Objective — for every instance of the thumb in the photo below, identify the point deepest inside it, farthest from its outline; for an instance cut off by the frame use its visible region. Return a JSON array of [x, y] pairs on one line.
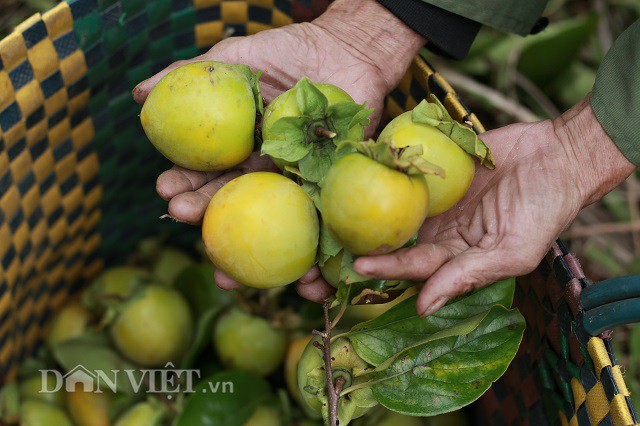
[[470, 270]]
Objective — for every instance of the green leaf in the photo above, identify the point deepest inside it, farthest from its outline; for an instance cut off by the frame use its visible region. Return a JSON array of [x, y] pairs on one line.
[[329, 247], [345, 116], [32, 366], [202, 336], [290, 145], [546, 55], [228, 398], [348, 275], [433, 113], [9, 403], [254, 82], [311, 101], [573, 84], [93, 351], [197, 285], [313, 191], [316, 164], [400, 327], [447, 372], [407, 159], [206, 300]]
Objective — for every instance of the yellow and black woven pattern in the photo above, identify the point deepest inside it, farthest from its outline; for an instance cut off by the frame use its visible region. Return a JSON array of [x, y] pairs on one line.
[[49, 194], [77, 187], [76, 174], [561, 375]]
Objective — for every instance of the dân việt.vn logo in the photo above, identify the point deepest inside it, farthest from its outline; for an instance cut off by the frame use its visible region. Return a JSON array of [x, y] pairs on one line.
[[169, 380]]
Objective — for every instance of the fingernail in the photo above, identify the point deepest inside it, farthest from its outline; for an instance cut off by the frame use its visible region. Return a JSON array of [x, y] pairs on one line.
[[135, 89], [363, 267], [437, 304]]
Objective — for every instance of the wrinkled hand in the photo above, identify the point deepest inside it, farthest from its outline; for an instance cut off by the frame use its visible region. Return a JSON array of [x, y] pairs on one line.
[[545, 173], [356, 45]]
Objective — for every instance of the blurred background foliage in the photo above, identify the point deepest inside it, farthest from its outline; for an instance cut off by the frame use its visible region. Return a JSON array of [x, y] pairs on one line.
[[508, 79]]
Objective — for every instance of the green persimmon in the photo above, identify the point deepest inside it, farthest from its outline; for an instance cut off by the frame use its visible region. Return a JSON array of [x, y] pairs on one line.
[[89, 408], [169, 263], [345, 363], [31, 389], [265, 415], [370, 208], [286, 105], [395, 419], [249, 342], [142, 414], [114, 286], [361, 313], [69, 322], [460, 167], [262, 230], [331, 269], [202, 115], [38, 413], [294, 354], [154, 327]]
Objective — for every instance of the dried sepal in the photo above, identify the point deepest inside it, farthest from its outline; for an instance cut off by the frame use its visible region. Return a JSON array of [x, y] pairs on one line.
[[433, 113]]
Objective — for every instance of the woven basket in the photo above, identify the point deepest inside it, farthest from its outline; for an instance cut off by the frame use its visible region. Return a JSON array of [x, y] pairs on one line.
[[77, 189]]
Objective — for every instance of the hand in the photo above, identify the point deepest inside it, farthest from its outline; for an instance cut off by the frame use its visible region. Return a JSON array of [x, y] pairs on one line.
[[357, 45], [545, 173]]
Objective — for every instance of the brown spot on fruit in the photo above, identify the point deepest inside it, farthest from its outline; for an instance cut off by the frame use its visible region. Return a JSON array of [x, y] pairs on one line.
[[383, 249]]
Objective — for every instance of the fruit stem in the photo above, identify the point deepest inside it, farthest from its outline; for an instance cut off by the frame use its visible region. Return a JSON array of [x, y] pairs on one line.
[[340, 382], [321, 131], [336, 320], [332, 394]]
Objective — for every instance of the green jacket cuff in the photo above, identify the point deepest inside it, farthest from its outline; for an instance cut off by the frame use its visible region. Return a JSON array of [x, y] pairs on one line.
[[615, 99], [508, 15]]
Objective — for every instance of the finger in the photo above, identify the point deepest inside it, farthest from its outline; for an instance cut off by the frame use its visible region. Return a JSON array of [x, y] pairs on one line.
[[313, 287], [190, 206], [470, 270], [179, 180], [414, 263], [311, 275], [224, 281], [257, 163]]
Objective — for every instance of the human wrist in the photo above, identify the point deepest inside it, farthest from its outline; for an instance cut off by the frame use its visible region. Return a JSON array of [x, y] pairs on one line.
[[597, 164], [373, 34]]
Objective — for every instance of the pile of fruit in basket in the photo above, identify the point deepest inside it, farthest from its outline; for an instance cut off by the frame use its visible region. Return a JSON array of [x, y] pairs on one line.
[[161, 344], [166, 346]]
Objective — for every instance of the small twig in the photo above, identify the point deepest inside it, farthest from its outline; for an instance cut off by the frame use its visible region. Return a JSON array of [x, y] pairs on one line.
[[511, 72], [343, 309], [602, 228], [605, 35], [264, 304], [340, 382], [495, 98], [622, 251], [321, 131], [332, 395], [168, 216], [538, 95]]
